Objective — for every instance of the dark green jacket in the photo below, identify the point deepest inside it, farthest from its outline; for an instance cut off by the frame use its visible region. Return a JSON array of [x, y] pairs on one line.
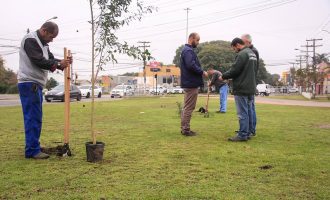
[[243, 73]]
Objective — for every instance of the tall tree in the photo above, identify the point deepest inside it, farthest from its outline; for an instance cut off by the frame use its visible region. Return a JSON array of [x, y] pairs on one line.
[[51, 83], [110, 16]]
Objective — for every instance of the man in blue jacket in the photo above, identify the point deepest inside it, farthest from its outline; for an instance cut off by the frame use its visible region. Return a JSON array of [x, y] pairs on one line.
[[191, 80]]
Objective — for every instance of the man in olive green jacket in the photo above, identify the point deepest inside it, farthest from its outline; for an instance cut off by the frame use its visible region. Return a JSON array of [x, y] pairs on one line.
[[244, 85]]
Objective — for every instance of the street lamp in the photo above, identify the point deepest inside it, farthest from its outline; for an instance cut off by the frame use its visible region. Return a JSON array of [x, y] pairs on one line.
[[55, 17]]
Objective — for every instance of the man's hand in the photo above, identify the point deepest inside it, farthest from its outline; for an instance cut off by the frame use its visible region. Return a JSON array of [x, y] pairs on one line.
[[70, 59], [205, 74], [220, 78], [65, 63]]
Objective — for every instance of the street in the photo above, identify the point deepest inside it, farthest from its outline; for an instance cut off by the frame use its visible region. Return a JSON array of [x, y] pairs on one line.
[[13, 100]]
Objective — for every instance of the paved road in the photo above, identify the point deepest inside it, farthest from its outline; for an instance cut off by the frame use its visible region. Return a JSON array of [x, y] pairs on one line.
[[13, 100]]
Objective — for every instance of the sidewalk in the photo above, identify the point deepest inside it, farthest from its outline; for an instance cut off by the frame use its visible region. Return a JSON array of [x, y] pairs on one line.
[[265, 100], [9, 96]]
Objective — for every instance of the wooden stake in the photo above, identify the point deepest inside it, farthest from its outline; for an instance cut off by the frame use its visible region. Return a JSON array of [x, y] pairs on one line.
[[66, 98]]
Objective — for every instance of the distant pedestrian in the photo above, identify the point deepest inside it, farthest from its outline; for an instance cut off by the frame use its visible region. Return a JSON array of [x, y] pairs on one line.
[[191, 79], [244, 85], [223, 88], [247, 39], [35, 61]]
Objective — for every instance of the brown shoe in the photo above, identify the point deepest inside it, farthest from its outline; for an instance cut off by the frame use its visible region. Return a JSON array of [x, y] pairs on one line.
[[188, 133], [41, 156]]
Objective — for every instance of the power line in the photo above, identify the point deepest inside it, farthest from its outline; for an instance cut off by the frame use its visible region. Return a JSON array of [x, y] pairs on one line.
[[216, 21]]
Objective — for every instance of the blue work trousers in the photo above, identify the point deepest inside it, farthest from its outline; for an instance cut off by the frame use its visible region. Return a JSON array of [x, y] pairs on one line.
[[223, 91], [31, 98]]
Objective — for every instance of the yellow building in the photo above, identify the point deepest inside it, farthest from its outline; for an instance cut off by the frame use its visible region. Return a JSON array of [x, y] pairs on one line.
[[166, 74], [286, 77]]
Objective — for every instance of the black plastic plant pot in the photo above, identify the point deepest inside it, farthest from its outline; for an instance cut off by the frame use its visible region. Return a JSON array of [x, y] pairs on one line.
[[94, 151]]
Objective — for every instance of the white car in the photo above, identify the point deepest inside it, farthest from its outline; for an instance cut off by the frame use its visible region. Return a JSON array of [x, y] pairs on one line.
[[178, 90], [159, 90], [175, 90], [86, 91], [293, 90], [121, 91]]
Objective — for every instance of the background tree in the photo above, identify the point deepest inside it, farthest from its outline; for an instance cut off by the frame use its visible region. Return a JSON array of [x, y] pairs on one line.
[[110, 16], [8, 79], [273, 79], [51, 83]]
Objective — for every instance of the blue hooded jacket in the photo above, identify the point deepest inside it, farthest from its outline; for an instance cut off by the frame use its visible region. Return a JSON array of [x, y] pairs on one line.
[[191, 70]]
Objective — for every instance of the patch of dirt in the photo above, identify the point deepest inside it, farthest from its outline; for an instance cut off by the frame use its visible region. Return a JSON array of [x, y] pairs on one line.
[[59, 150], [51, 150], [265, 167], [325, 126]]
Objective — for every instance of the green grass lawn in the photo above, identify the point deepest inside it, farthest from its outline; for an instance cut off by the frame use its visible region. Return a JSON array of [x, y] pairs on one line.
[[146, 157]]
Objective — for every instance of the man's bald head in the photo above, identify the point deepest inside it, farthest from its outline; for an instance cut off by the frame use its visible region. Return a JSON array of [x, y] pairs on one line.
[[48, 31], [193, 39], [51, 27]]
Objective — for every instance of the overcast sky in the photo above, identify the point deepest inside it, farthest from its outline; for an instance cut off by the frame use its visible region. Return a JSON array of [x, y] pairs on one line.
[[277, 28]]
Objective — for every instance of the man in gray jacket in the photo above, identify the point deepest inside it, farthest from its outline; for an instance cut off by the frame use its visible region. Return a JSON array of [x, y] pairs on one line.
[[35, 61]]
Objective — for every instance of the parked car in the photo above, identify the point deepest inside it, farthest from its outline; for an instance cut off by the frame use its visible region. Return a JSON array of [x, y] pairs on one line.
[[57, 93], [263, 89], [178, 90], [86, 91], [158, 90], [175, 90], [293, 90], [121, 91]]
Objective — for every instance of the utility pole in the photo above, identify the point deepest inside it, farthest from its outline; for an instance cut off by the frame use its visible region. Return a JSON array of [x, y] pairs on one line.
[[300, 60], [313, 46], [187, 9], [307, 64], [144, 62], [307, 55]]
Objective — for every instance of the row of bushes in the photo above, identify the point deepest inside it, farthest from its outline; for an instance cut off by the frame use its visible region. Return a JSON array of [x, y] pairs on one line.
[[8, 89]]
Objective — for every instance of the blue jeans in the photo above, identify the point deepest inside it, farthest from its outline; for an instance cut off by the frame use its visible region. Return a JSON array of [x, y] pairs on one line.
[[223, 91], [254, 117], [31, 99], [244, 114]]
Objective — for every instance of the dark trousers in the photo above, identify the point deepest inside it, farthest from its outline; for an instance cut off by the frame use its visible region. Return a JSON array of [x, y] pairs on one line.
[[253, 126], [31, 99], [244, 114], [190, 99]]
